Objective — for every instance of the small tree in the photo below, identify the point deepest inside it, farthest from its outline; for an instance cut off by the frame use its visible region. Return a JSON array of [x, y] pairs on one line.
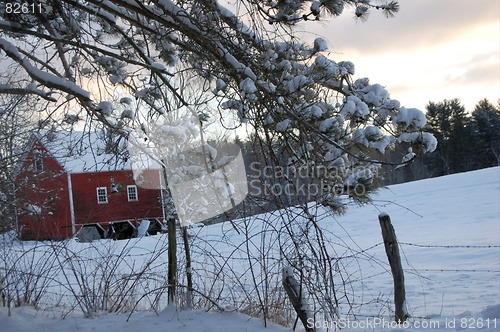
[[16, 123]]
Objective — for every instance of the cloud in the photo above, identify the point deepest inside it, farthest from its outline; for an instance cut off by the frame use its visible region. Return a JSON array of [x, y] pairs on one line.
[[418, 24], [431, 50], [482, 69]]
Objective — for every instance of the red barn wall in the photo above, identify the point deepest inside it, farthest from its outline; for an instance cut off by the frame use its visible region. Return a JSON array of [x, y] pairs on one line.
[[47, 189], [87, 210]]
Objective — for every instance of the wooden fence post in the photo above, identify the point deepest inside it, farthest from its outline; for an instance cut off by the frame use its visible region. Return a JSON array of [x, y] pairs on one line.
[[392, 251], [189, 273], [294, 292], [172, 260]]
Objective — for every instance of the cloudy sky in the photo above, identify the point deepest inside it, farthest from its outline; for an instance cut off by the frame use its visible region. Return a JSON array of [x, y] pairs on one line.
[[430, 51]]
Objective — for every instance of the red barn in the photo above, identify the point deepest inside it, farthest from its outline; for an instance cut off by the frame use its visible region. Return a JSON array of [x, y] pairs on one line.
[[66, 181]]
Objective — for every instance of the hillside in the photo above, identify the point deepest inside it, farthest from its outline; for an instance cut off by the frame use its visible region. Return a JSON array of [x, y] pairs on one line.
[[449, 233]]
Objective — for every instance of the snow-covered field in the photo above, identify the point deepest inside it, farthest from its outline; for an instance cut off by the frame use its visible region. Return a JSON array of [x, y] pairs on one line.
[[448, 227]]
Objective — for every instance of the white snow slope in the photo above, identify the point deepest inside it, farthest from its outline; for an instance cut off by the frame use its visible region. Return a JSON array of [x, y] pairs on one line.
[[449, 230]]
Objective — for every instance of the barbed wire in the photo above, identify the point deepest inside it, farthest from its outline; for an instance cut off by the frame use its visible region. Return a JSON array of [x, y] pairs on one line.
[[459, 270], [448, 246]]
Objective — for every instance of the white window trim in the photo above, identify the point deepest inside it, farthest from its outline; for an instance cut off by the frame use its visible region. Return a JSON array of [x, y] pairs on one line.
[[135, 191], [105, 193]]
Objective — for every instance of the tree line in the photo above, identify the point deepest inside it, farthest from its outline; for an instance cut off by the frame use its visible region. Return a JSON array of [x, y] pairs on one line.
[[468, 140]]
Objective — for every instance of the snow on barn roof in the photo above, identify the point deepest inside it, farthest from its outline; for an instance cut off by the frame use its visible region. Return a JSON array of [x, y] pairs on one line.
[[86, 151]]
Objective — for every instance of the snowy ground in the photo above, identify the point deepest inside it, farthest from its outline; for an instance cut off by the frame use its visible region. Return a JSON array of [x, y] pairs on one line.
[[449, 229], [26, 319]]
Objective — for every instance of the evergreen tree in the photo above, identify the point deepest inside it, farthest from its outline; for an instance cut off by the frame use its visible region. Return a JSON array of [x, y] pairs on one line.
[[449, 123], [486, 121]]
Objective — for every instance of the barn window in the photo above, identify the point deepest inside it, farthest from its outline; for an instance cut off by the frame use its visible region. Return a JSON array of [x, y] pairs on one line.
[[132, 193], [102, 195], [38, 160]]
